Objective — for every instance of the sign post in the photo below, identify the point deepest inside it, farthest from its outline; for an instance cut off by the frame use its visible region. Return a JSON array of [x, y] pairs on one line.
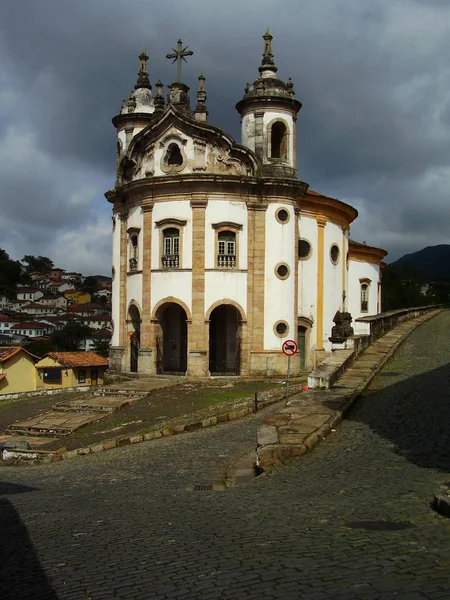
[[289, 348]]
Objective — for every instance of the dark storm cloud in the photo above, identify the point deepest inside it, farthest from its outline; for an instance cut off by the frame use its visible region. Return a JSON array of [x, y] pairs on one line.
[[372, 77]]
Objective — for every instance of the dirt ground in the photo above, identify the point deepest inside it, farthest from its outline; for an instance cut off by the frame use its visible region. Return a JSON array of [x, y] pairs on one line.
[[188, 401]]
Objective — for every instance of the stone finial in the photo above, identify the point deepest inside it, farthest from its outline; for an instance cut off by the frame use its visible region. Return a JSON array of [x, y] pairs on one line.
[[290, 87], [268, 62], [131, 103], [159, 98], [143, 80], [201, 112]]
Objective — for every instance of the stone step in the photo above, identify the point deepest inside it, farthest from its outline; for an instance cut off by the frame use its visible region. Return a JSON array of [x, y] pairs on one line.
[[54, 423], [96, 404]]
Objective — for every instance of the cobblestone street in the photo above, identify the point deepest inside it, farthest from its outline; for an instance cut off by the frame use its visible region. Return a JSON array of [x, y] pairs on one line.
[[349, 520]]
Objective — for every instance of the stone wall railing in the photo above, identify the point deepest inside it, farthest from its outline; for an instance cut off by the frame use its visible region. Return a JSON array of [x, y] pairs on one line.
[[380, 324]]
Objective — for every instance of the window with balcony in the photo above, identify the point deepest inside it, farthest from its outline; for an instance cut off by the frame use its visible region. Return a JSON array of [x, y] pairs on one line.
[[171, 248], [226, 257]]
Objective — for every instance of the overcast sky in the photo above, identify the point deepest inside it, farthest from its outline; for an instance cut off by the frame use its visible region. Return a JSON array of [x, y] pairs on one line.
[[374, 130]]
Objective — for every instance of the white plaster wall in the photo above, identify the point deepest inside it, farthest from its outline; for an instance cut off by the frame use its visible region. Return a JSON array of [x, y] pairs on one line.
[[279, 294], [287, 119], [332, 298], [171, 283], [307, 272], [362, 270], [220, 285], [116, 283], [134, 290], [225, 210], [179, 209]]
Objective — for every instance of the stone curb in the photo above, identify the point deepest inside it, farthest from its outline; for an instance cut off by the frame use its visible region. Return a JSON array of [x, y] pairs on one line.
[[46, 456], [271, 455]]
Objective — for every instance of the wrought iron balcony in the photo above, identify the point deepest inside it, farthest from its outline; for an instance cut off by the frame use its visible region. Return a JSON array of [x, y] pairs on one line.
[[226, 261], [171, 261]]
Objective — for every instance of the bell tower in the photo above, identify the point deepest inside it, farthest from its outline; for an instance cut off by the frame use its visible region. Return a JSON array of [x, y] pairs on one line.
[[268, 115]]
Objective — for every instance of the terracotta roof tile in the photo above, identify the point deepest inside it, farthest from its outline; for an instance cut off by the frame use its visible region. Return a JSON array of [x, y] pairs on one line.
[[79, 359], [7, 352], [2, 376]]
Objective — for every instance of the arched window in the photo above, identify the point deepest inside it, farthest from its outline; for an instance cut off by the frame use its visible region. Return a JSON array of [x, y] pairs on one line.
[[278, 140], [226, 257], [171, 248], [133, 248], [173, 156], [364, 297]]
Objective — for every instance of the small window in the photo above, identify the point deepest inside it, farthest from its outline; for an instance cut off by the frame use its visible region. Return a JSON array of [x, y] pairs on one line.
[[171, 248], [282, 271], [282, 216], [82, 376], [278, 140], [226, 257], [334, 254], [364, 297], [173, 155], [304, 249], [281, 329], [52, 375]]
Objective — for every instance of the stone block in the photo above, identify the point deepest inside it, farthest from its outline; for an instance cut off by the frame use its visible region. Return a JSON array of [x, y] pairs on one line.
[[136, 439], [97, 447], [177, 429], [267, 434], [152, 435], [83, 451], [109, 444], [123, 442], [167, 431], [71, 454], [293, 438], [311, 440], [278, 419], [222, 418], [232, 416]]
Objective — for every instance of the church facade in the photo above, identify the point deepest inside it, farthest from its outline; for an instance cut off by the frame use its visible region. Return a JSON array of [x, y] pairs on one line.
[[220, 252]]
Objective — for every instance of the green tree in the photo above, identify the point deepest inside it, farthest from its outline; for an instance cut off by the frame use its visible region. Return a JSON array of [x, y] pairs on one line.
[[101, 347], [41, 264], [90, 285], [41, 347], [10, 274], [71, 336]]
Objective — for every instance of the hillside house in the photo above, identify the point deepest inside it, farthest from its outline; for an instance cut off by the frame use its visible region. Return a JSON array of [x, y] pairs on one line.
[[17, 371], [70, 369]]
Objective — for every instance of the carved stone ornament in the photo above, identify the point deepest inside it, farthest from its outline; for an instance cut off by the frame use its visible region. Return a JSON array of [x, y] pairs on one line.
[[342, 328]]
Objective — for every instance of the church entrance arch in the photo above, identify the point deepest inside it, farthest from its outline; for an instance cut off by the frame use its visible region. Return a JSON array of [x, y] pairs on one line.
[[134, 326], [171, 339], [225, 340]]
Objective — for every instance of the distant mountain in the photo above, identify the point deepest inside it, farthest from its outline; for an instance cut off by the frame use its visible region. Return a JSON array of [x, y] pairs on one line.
[[432, 263]]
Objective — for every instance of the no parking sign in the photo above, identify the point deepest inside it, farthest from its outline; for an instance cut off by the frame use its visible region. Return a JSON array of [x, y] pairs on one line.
[[289, 348]]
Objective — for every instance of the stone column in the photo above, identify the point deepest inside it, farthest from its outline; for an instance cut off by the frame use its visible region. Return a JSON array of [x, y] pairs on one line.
[[259, 134], [147, 343], [255, 281], [197, 345], [321, 222], [123, 335], [344, 269], [296, 362]]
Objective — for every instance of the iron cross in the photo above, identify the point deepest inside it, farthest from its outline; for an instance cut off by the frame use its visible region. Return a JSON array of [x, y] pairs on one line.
[[178, 55]]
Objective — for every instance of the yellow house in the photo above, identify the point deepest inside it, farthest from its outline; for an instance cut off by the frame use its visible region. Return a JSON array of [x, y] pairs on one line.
[[77, 297], [59, 370], [17, 370]]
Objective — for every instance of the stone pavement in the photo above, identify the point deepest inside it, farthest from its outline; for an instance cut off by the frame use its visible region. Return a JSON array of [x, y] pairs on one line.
[[348, 521], [311, 416]]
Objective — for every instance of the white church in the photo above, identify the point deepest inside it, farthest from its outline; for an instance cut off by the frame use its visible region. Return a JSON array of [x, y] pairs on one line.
[[220, 252]]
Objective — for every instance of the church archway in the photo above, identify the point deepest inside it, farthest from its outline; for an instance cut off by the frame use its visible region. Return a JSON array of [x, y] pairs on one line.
[[171, 339], [225, 340], [134, 330]]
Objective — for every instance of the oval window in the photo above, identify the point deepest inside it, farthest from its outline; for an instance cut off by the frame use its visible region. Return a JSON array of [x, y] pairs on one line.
[[282, 215], [334, 254], [304, 249]]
